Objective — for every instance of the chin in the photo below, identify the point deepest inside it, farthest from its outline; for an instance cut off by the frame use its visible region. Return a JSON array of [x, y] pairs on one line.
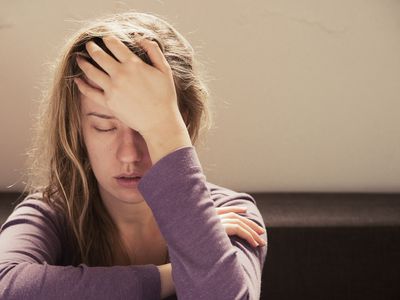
[[129, 195], [125, 195]]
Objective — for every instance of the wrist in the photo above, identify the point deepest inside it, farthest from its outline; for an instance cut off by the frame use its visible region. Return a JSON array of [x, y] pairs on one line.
[[167, 283], [166, 139]]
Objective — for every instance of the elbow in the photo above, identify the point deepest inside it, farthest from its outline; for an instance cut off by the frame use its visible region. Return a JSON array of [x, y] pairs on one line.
[[5, 268], [246, 292], [6, 279], [250, 295]]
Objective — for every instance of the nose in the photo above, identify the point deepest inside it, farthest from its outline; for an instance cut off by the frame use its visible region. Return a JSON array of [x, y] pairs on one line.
[[130, 148]]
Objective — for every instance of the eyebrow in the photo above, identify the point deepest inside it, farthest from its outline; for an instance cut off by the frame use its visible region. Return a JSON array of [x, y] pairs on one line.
[[100, 115]]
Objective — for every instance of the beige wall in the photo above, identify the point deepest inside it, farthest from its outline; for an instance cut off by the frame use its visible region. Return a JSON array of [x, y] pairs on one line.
[[306, 93]]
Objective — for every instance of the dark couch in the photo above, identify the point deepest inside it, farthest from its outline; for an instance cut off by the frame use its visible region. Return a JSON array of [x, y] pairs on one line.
[[331, 246], [324, 246]]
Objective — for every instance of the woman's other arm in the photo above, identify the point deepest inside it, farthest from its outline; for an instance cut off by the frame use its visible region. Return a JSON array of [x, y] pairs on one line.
[[31, 243]]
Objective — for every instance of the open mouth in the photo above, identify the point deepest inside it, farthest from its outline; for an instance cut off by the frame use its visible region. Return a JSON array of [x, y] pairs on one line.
[[128, 181]]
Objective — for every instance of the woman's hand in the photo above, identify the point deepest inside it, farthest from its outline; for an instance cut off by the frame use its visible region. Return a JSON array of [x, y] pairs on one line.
[[235, 224], [141, 96]]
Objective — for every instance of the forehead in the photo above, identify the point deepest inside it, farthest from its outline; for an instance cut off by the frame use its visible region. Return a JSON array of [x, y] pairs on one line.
[[90, 105]]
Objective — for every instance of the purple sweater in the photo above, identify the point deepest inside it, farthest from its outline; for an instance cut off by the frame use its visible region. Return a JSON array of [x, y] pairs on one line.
[[206, 262]]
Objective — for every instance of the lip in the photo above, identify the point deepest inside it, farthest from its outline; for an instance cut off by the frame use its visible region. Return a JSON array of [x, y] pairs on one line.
[[128, 183], [134, 174]]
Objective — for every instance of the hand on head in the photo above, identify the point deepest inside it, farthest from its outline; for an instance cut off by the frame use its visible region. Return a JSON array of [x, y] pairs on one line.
[[141, 96]]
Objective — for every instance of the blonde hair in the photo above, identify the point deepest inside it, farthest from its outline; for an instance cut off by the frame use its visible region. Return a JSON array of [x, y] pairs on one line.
[[58, 162]]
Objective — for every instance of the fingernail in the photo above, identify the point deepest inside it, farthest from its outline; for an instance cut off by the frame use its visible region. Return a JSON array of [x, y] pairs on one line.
[[263, 242]]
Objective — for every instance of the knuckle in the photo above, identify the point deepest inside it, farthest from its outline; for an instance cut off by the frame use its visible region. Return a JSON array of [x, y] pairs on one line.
[[134, 62], [253, 233], [153, 43], [95, 52], [110, 39], [232, 214], [236, 227], [118, 76], [236, 222]]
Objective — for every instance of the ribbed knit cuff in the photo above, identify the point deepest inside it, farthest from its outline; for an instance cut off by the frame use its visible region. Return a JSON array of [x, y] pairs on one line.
[[150, 281]]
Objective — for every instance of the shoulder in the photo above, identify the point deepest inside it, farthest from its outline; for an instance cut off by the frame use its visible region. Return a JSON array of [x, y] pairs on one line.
[[223, 197]]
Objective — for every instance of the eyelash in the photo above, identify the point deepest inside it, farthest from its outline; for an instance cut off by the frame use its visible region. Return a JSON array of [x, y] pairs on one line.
[[104, 130]]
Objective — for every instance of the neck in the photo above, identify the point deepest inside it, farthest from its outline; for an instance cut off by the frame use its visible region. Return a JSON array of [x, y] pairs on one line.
[[134, 219]]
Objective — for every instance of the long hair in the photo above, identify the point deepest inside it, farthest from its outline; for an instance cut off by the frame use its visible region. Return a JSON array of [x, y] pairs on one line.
[[58, 164]]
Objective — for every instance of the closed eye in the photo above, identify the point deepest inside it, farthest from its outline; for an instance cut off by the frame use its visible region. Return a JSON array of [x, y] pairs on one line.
[[105, 130]]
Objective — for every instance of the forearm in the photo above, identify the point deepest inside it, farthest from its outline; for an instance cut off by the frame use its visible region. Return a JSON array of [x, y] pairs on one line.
[[200, 251], [44, 281], [167, 284]]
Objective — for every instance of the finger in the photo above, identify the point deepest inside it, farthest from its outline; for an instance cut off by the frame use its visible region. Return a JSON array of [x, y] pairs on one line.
[[119, 49], [104, 60], [94, 74], [235, 229], [155, 54], [90, 92], [245, 226], [254, 235], [223, 210], [246, 220]]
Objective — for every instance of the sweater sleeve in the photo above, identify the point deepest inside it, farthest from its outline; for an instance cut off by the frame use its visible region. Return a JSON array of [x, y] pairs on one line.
[[206, 263], [30, 245]]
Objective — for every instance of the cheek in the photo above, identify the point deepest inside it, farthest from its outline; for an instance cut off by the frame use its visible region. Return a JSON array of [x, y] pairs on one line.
[[99, 150]]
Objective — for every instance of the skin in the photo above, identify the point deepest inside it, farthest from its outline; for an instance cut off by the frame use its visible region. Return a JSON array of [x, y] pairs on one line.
[[146, 125], [119, 150], [156, 129], [141, 96]]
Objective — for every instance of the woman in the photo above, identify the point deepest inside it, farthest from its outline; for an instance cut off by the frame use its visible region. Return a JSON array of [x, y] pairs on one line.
[[123, 209]]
